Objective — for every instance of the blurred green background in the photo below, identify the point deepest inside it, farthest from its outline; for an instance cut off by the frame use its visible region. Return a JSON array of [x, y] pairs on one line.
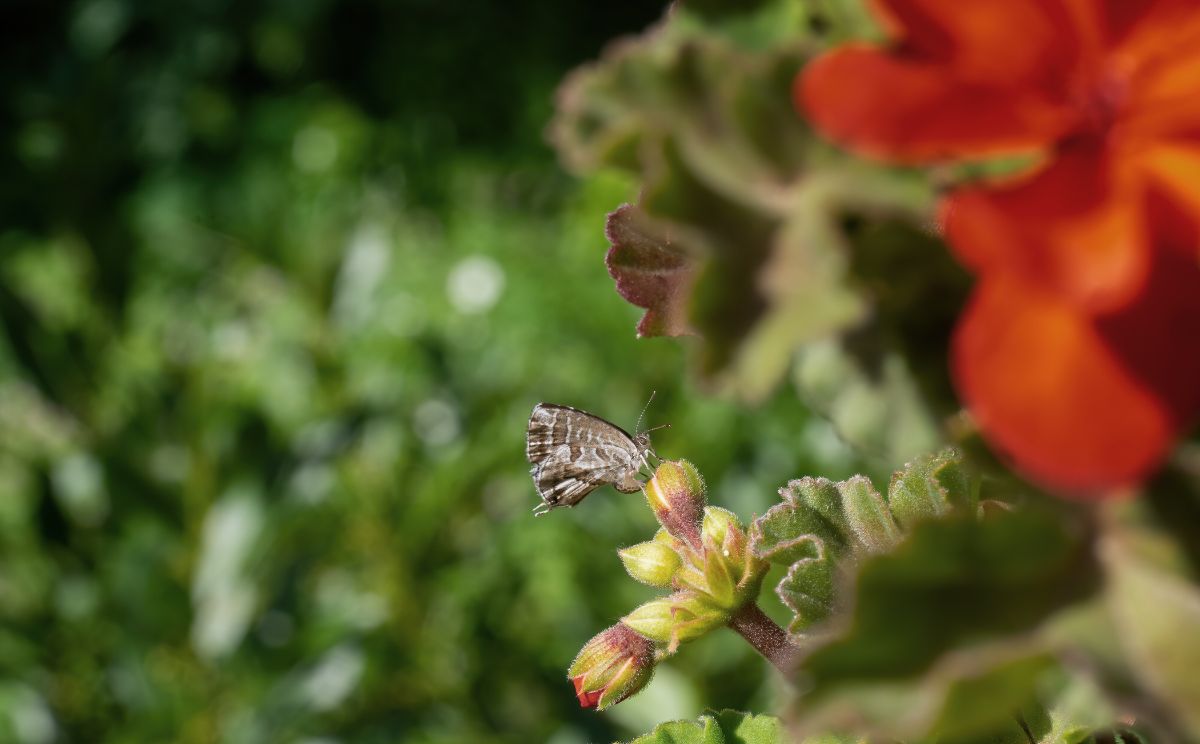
[[280, 283]]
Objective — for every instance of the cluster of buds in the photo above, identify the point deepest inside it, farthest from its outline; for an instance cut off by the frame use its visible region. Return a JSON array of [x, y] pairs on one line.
[[702, 553]]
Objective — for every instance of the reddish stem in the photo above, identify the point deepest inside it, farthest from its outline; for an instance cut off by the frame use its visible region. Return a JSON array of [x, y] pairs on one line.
[[766, 637]]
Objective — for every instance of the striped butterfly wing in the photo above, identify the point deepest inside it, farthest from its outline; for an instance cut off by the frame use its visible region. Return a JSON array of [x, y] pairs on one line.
[[574, 452]]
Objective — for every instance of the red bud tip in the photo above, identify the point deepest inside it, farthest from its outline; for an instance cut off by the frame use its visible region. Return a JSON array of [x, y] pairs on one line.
[[586, 699]]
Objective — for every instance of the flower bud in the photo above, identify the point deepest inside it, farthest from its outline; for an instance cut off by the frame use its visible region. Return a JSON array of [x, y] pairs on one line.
[[612, 666], [676, 494], [680, 617], [724, 569], [717, 523], [653, 563]]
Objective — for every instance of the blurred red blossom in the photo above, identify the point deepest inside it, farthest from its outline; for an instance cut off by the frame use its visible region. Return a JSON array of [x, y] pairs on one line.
[[1079, 353]]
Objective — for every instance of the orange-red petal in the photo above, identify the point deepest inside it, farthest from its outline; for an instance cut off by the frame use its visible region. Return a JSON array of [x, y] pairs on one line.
[[1149, 31], [1173, 170], [1075, 227], [586, 699], [977, 38], [1162, 99], [1048, 391], [907, 110]]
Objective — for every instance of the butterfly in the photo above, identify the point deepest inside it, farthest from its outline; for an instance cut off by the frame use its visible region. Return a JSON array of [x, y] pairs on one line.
[[575, 452]]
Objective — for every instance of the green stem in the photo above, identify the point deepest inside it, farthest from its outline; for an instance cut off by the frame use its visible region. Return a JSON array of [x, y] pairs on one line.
[[766, 637]]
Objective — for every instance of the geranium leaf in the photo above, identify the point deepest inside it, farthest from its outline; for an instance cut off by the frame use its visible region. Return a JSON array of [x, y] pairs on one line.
[[929, 486], [703, 731], [807, 590], [651, 271], [790, 532], [747, 245], [724, 727], [821, 524], [941, 625], [954, 579], [746, 728], [1156, 608]]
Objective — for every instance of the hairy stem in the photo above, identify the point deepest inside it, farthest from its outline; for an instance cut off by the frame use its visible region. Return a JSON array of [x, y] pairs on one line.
[[765, 636]]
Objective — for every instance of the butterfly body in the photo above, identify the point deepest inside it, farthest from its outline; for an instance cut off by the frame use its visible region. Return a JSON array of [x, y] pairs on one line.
[[574, 452]]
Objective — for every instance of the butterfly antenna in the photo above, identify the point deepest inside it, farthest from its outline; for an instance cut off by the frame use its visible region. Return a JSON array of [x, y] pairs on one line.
[[637, 429]]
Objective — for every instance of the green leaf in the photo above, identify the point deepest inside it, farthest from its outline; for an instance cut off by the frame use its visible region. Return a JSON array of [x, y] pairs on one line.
[[885, 385], [704, 731], [747, 728], [1157, 613], [651, 272], [971, 695], [808, 591], [821, 523], [749, 23], [869, 518], [742, 238], [721, 727], [953, 580], [940, 635], [820, 495], [789, 532], [928, 487], [983, 700], [1073, 710]]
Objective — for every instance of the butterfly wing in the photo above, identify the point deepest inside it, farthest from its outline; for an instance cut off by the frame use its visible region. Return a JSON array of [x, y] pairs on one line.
[[561, 483], [574, 452]]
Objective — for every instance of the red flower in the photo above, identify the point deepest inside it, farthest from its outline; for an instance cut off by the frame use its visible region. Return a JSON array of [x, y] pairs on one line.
[[1079, 354]]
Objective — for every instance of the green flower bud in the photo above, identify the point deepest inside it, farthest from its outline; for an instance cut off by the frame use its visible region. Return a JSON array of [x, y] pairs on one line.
[[654, 619], [612, 666], [664, 537], [717, 523], [680, 617], [719, 578], [723, 570], [676, 494], [717, 587], [653, 563]]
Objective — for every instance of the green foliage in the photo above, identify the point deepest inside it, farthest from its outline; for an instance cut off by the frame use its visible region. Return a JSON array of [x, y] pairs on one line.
[[822, 527], [740, 205], [276, 300], [764, 243], [940, 641], [1151, 597], [724, 727], [275, 304], [919, 610]]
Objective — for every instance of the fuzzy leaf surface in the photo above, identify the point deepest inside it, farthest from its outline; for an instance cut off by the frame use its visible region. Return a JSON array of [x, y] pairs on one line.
[[941, 624], [743, 242], [725, 727]]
